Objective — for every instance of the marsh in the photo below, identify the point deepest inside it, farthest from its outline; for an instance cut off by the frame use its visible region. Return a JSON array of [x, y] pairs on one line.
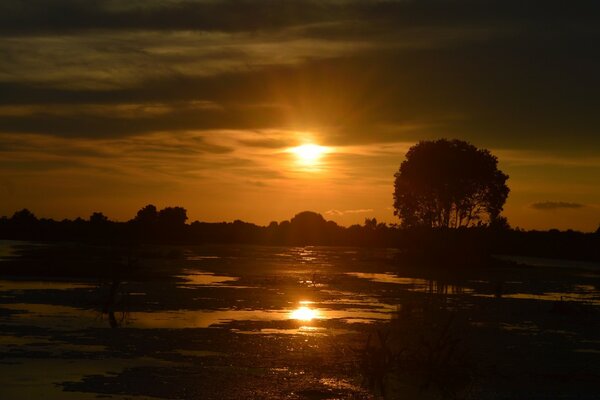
[[287, 322]]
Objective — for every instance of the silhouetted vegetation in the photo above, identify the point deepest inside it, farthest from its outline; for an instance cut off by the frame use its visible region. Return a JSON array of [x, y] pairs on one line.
[[463, 246], [449, 184], [421, 354]]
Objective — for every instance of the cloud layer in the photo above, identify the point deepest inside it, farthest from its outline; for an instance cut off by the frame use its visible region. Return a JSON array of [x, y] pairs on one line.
[[361, 71]]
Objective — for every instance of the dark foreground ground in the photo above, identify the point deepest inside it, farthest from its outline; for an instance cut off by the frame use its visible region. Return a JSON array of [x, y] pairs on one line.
[[80, 322]]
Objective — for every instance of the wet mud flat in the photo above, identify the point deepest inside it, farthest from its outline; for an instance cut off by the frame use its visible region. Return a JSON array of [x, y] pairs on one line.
[[227, 322]]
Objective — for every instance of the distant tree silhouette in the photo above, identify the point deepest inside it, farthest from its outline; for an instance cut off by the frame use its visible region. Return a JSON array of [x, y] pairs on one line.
[[309, 227], [448, 183], [371, 223], [308, 220], [147, 215], [98, 218], [461, 247], [23, 217], [172, 216]]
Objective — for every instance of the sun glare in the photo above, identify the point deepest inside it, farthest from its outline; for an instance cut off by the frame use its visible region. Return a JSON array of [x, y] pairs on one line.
[[304, 314], [309, 154]]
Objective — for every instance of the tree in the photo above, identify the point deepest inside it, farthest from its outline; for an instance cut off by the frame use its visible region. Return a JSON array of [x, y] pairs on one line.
[[147, 215], [449, 183], [309, 227], [308, 220], [172, 216], [371, 223], [98, 218], [23, 217]]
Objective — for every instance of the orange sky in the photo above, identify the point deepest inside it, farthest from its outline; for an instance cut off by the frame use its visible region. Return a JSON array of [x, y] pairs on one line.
[[346, 183], [109, 106]]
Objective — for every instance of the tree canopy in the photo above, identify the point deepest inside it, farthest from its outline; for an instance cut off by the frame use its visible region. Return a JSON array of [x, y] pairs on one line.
[[449, 183]]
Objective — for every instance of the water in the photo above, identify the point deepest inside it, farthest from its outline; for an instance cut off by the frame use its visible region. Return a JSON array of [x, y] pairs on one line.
[[236, 303], [8, 248]]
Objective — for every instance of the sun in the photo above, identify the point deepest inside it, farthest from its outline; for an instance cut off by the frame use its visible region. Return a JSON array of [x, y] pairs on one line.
[[304, 314], [309, 154]]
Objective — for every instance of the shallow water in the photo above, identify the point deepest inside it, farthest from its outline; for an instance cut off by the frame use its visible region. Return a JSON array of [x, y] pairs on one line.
[[551, 262], [20, 285], [203, 278], [8, 248], [257, 294]]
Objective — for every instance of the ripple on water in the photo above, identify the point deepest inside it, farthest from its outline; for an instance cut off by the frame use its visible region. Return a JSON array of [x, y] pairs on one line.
[[203, 278], [6, 285]]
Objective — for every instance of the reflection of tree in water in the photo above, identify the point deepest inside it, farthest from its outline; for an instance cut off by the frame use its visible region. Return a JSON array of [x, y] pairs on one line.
[[115, 302], [421, 354], [498, 288], [444, 288]]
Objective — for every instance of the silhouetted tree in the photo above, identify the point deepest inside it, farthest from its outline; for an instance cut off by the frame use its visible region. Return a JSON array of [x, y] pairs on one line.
[[382, 225], [308, 220], [172, 216], [371, 223], [23, 217], [309, 227], [147, 215], [98, 218], [448, 183], [500, 223]]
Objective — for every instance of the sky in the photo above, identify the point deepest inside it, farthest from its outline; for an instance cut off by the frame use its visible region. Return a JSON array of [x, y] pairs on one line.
[[110, 105]]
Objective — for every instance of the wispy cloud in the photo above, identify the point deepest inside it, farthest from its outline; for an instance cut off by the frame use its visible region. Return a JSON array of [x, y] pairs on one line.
[[556, 205], [113, 60], [528, 158], [339, 213]]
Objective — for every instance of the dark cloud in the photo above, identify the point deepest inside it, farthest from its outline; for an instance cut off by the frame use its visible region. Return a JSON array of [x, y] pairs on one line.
[[555, 205], [39, 16], [510, 74], [494, 93], [104, 123]]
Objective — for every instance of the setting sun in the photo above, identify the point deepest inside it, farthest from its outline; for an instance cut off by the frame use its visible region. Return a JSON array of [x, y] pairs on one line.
[[304, 314], [309, 154]]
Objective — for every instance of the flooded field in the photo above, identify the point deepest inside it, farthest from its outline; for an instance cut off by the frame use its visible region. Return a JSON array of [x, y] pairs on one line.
[[223, 322]]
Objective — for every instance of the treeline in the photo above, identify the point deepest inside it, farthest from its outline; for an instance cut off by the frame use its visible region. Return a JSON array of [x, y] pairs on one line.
[[169, 226]]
